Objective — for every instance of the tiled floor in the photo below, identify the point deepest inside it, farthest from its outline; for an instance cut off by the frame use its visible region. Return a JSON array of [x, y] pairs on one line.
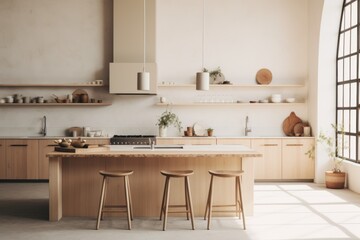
[[282, 211]]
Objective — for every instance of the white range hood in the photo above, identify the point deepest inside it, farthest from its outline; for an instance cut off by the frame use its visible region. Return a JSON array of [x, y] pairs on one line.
[[129, 47]]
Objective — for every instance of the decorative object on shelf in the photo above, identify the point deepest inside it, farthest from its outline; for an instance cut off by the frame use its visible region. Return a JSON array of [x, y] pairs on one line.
[[163, 99], [276, 98], [289, 100], [210, 131], [189, 132], [80, 96], [166, 119], [334, 178], [307, 131], [203, 78], [289, 124], [199, 130], [216, 76], [74, 132], [143, 78], [264, 76]]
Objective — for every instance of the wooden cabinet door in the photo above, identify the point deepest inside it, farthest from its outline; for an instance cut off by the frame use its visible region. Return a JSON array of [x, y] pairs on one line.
[[295, 164], [21, 159], [187, 141], [98, 141], [45, 146], [269, 166], [234, 141], [2, 160]]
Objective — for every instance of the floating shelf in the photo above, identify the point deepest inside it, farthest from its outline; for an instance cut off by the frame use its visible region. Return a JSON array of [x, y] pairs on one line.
[[228, 104], [55, 104], [53, 85], [233, 85]]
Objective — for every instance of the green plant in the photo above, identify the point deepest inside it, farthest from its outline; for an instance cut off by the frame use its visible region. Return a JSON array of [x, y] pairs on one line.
[[214, 73], [168, 118], [210, 129], [331, 147]]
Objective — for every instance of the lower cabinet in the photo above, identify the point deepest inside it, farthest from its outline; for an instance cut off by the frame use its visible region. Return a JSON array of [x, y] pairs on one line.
[[45, 146], [2, 160], [295, 163], [234, 141], [186, 140], [21, 159], [269, 166]]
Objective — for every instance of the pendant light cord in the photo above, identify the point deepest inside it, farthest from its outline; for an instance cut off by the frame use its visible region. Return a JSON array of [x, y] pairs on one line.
[[144, 36], [203, 36]]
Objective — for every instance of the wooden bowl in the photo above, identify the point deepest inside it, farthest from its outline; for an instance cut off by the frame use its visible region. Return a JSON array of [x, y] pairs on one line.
[[64, 144]]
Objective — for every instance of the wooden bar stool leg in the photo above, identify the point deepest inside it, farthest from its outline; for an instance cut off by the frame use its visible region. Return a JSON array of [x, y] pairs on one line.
[[163, 200], [104, 204], [101, 203], [126, 184], [166, 202], [130, 200], [241, 203], [187, 189], [210, 202], [207, 202], [237, 198], [186, 198]]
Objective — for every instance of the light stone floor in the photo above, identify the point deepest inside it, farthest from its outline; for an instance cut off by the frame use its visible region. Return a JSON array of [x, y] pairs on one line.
[[282, 211]]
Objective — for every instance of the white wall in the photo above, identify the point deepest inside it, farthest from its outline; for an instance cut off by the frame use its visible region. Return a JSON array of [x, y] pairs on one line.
[[71, 41]]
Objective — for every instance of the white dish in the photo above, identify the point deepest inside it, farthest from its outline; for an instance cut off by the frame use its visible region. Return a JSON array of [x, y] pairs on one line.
[[275, 100], [264, 101], [290, 100], [199, 130]]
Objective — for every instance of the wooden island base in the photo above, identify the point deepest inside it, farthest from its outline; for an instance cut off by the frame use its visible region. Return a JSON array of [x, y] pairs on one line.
[[75, 183]]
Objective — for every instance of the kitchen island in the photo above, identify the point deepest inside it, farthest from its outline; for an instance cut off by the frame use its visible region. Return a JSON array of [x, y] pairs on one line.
[[75, 183]]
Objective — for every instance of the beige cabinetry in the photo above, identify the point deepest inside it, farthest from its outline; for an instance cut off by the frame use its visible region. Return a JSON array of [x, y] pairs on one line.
[[187, 141], [21, 159], [267, 167], [234, 141], [295, 163], [2, 160]]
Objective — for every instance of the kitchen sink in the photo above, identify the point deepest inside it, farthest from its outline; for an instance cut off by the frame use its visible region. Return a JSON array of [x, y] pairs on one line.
[[158, 147]]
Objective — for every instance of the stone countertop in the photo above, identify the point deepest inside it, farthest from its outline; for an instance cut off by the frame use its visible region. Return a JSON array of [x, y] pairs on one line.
[[47, 137], [236, 137], [167, 151]]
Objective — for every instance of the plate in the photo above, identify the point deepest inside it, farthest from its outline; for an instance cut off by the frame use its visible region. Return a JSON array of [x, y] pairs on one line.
[[199, 130], [263, 76]]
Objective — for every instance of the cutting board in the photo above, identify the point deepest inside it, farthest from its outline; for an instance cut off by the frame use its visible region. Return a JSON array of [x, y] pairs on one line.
[[289, 124], [81, 150], [263, 76]]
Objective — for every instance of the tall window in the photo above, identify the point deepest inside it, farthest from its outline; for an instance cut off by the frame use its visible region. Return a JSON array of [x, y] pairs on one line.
[[347, 80]]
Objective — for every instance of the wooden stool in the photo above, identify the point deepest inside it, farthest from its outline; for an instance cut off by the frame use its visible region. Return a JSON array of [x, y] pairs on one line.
[[238, 197], [115, 208], [165, 201]]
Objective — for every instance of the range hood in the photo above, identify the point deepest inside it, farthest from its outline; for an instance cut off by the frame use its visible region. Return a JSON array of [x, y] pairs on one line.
[[128, 48], [123, 78]]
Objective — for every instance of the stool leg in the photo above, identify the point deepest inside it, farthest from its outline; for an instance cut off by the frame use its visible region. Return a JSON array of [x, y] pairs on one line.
[[104, 204], [126, 184], [241, 203], [166, 202], [237, 197], [130, 200], [163, 200], [101, 203], [207, 203], [210, 202], [186, 199], [187, 189]]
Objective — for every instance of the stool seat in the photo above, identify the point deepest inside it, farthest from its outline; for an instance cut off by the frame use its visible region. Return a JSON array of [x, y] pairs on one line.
[[177, 173], [226, 173], [119, 173]]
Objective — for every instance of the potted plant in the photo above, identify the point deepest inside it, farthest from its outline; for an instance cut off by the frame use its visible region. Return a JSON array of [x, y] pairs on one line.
[[167, 119], [210, 131], [334, 178], [216, 76]]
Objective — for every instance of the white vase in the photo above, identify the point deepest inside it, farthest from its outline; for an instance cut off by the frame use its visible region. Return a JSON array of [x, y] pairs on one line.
[[162, 131]]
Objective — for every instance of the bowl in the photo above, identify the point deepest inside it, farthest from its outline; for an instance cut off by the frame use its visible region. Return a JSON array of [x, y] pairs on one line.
[[275, 100], [64, 144], [264, 101], [290, 100]]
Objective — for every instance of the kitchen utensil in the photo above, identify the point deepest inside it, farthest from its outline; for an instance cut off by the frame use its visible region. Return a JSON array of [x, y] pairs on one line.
[[199, 130], [80, 95], [264, 76], [264, 101], [289, 124], [78, 130], [289, 100], [307, 131]]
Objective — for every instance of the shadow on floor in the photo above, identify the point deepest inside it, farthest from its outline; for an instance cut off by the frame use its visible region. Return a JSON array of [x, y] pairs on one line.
[[25, 208]]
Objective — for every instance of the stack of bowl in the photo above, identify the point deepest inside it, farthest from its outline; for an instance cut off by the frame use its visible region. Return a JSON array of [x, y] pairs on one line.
[[276, 98]]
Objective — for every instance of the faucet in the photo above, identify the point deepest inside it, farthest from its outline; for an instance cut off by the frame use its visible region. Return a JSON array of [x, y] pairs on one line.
[[152, 143], [247, 128], [43, 128]]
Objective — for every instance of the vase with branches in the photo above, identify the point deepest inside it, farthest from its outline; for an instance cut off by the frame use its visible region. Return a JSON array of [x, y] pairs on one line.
[[167, 119]]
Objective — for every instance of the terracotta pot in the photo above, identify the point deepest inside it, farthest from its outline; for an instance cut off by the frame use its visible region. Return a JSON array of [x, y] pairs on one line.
[[210, 133], [335, 180]]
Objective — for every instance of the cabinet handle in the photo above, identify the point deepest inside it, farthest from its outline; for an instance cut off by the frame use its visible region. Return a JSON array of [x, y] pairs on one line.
[[294, 144], [270, 144], [18, 145], [53, 145]]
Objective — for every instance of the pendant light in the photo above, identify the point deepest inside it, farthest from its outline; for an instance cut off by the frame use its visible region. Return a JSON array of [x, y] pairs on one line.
[[203, 78], [143, 78]]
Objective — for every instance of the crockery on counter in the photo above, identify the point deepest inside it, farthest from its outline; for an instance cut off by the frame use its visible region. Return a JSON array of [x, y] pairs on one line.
[[289, 100], [264, 101], [199, 130], [289, 124], [2, 101]]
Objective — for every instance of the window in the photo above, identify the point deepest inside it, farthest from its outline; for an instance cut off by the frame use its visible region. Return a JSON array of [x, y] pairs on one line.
[[347, 80]]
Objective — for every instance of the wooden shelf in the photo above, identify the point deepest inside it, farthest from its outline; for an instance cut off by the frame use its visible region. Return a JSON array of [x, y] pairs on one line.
[[233, 85], [228, 104], [54, 104], [53, 85]]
